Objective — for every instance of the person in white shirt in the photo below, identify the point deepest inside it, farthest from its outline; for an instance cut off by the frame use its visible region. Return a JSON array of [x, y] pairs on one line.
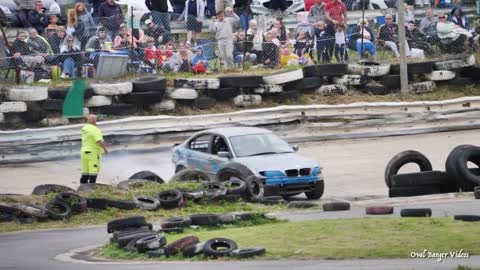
[[340, 43]]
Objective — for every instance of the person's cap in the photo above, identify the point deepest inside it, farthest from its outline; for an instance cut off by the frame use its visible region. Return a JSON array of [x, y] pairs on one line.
[[148, 21]]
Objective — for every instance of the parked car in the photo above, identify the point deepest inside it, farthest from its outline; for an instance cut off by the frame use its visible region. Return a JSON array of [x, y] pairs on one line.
[[239, 152]]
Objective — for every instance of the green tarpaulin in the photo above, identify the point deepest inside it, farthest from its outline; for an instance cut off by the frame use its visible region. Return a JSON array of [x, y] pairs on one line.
[[73, 104]]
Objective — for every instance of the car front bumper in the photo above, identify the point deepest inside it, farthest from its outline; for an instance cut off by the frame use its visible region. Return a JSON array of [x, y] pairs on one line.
[[290, 185]]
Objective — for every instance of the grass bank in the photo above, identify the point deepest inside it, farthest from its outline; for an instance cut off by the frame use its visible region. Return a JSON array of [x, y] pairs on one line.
[[340, 239]]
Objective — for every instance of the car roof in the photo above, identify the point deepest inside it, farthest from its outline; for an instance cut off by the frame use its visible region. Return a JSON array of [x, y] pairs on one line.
[[236, 131]]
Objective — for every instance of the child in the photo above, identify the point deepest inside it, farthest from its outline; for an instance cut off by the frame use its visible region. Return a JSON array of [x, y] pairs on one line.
[[324, 37], [165, 53], [152, 54], [199, 61], [340, 40], [300, 46], [224, 36]]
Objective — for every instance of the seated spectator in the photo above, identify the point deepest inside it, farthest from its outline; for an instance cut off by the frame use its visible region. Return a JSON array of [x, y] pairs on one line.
[[458, 18], [428, 26], [52, 26], [452, 37], [111, 17], [38, 18], [287, 58], [364, 39], [152, 55], [38, 44], [324, 35], [301, 43], [317, 12], [179, 62], [21, 50], [280, 29], [388, 35], [232, 18], [241, 48], [165, 53], [270, 52], [255, 37], [199, 61], [86, 22], [442, 3], [415, 39], [72, 58], [57, 39], [24, 7], [99, 42], [153, 30], [124, 40]]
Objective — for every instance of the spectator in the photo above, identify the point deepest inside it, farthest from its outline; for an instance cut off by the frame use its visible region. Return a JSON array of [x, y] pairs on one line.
[[194, 12], [243, 9], [160, 16], [415, 39], [111, 16], [178, 6], [96, 7], [153, 30], [428, 26], [270, 52], [179, 62], [241, 48], [281, 30], [21, 50], [232, 19], [279, 6], [210, 10], [336, 12], [71, 58], [254, 37], [57, 39], [38, 44], [458, 18], [340, 43], [165, 53], [304, 25], [73, 27], [98, 42], [324, 36], [364, 39], [124, 40], [388, 35], [199, 61], [52, 26], [301, 46], [24, 7], [409, 15], [422, 3], [452, 36], [38, 18], [317, 12], [224, 37], [152, 55], [221, 5], [86, 22]]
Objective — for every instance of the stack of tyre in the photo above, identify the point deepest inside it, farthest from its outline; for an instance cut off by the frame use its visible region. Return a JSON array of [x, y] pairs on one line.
[[134, 234], [328, 79], [456, 177], [195, 92]]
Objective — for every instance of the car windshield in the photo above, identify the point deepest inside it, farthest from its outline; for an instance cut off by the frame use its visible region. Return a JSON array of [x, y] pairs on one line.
[[259, 144]]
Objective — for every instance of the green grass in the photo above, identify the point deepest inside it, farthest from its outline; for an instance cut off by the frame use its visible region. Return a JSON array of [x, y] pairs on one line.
[[93, 217], [341, 239]]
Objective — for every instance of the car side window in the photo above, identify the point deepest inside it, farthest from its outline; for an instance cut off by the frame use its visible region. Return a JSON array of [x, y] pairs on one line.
[[219, 145], [200, 143]]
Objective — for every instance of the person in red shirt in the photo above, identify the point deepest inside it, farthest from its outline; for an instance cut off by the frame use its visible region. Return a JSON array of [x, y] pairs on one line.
[[336, 12], [152, 54]]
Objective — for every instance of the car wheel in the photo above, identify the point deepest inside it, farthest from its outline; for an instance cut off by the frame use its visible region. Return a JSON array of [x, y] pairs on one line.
[[179, 168], [317, 192], [233, 170]]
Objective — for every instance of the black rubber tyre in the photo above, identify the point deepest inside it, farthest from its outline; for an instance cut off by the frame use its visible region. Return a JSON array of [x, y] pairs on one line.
[[204, 103], [235, 186], [249, 216], [87, 188], [152, 242], [476, 192], [325, 70], [420, 68], [6, 217], [147, 203], [172, 230], [378, 89], [143, 98], [336, 206], [149, 84], [472, 154], [205, 219], [156, 253], [414, 191], [219, 247], [50, 188], [416, 212], [308, 83], [10, 210], [33, 211], [35, 113], [147, 175], [419, 179], [133, 184], [461, 81], [183, 243], [317, 193], [452, 166], [58, 210], [170, 199], [288, 96], [131, 246], [189, 175], [58, 92], [213, 189], [226, 198], [53, 105], [391, 81], [247, 252], [379, 210], [250, 81], [223, 93], [302, 204], [403, 158], [272, 200], [26, 219], [126, 239], [227, 218], [102, 204], [118, 109], [467, 217], [233, 170], [126, 223], [255, 189], [191, 251], [123, 232], [472, 72], [176, 222], [77, 203]]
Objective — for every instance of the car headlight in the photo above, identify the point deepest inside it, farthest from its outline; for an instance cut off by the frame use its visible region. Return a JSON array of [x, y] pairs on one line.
[[272, 174], [316, 171]]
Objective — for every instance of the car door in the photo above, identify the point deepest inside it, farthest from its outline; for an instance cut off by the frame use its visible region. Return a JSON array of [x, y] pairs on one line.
[[198, 152], [219, 144]]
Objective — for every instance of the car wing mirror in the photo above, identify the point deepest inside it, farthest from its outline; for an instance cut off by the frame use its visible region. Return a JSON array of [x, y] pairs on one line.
[[223, 154], [295, 148]]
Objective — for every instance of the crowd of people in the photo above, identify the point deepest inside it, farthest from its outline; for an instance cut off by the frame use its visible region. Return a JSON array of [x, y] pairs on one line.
[[321, 35]]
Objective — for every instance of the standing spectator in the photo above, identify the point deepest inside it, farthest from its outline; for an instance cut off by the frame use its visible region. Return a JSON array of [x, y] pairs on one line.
[[57, 39], [422, 3], [232, 19], [340, 43], [224, 37], [38, 18], [270, 52], [87, 23], [71, 56], [458, 18], [153, 30], [52, 26], [221, 5], [364, 39], [210, 10], [194, 12], [336, 12], [428, 26], [73, 27], [243, 9], [178, 6], [241, 46], [96, 7], [38, 44], [23, 11], [324, 36], [317, 12], [388, 35], [160, 16], [97, 43], [111, 16], [20, 49], [279, 6]]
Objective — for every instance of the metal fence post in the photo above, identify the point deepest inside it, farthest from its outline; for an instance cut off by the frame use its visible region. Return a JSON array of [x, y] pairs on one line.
[[131, 44], [403, 56]]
